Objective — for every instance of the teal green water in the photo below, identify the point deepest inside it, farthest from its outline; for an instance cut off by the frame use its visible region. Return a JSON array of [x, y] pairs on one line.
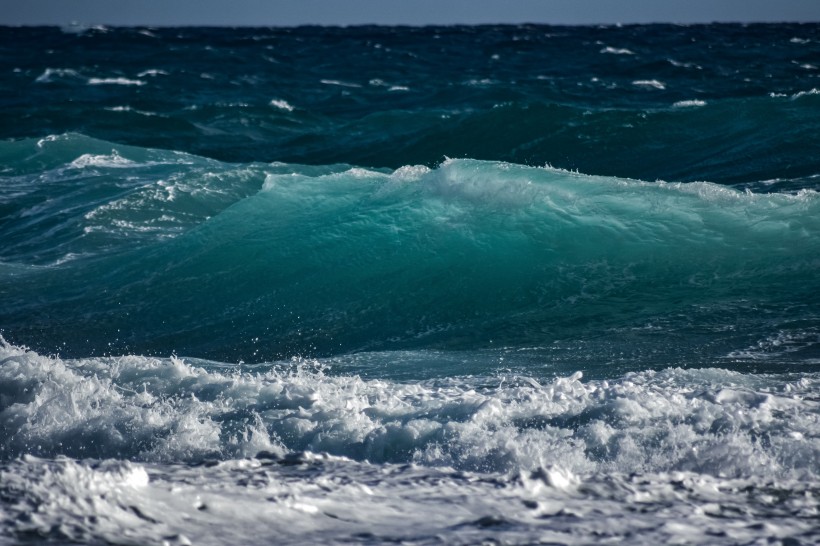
[[442, 285], [145, 250]]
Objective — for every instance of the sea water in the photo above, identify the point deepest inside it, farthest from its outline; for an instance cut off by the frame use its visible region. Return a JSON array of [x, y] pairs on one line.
[[441, 285]]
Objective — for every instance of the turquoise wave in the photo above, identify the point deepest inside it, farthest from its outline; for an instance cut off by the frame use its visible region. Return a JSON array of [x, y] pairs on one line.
[[121, 249]]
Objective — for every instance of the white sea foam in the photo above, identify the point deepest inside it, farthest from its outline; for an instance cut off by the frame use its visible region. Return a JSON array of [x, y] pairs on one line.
[[309, 499], [51, 138], [112, 161], [130, 109], [800, 94], [617, 51], [281, 104], [697, 421], [168, 207], [152, 72], [653, 84], [115, 81], [679, 64], [782, 345], [339, 83], [480, 83], [689, 456], [52, 74], [689, 103]]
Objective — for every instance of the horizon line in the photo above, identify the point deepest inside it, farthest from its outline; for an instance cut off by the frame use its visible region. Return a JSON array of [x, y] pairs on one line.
[[90, 26]]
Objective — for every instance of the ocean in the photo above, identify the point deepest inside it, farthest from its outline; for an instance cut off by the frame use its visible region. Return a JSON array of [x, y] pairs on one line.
[[410, 285]]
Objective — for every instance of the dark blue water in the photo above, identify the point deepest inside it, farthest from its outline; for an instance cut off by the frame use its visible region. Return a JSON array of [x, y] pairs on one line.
[[579, 263]]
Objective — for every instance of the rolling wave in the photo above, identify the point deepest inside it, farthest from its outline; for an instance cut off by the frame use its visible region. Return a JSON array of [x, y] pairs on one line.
[[262, 261]]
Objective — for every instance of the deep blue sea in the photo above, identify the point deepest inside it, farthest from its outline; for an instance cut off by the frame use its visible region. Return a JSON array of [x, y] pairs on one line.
[[403, 285]]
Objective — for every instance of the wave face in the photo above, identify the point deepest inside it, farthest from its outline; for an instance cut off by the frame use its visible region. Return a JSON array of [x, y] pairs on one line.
[[463, 285], [145, 250]]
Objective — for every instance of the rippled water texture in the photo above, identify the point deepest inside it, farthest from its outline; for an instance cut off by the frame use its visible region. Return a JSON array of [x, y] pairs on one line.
[[444, 285]]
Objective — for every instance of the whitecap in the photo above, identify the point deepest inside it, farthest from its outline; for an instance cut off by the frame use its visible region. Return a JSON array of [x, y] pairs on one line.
[[689, 103], [654, 84], [281, 104], [129, 109], [617, 51], [376, 82], [479, 83], [114, 160], [339, 83], [51, 138], [673, 62], [50, 74], [80, 28], [114, 81], [800, 94], [152, 72]]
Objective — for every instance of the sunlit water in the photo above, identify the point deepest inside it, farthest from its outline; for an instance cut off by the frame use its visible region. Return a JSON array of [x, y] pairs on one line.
[[452, 285]]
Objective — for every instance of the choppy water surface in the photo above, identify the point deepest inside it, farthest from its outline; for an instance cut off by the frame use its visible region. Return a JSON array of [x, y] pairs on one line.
[[445, 285]]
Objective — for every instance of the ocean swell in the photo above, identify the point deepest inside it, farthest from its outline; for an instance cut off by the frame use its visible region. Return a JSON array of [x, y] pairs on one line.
[[258, 262]]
